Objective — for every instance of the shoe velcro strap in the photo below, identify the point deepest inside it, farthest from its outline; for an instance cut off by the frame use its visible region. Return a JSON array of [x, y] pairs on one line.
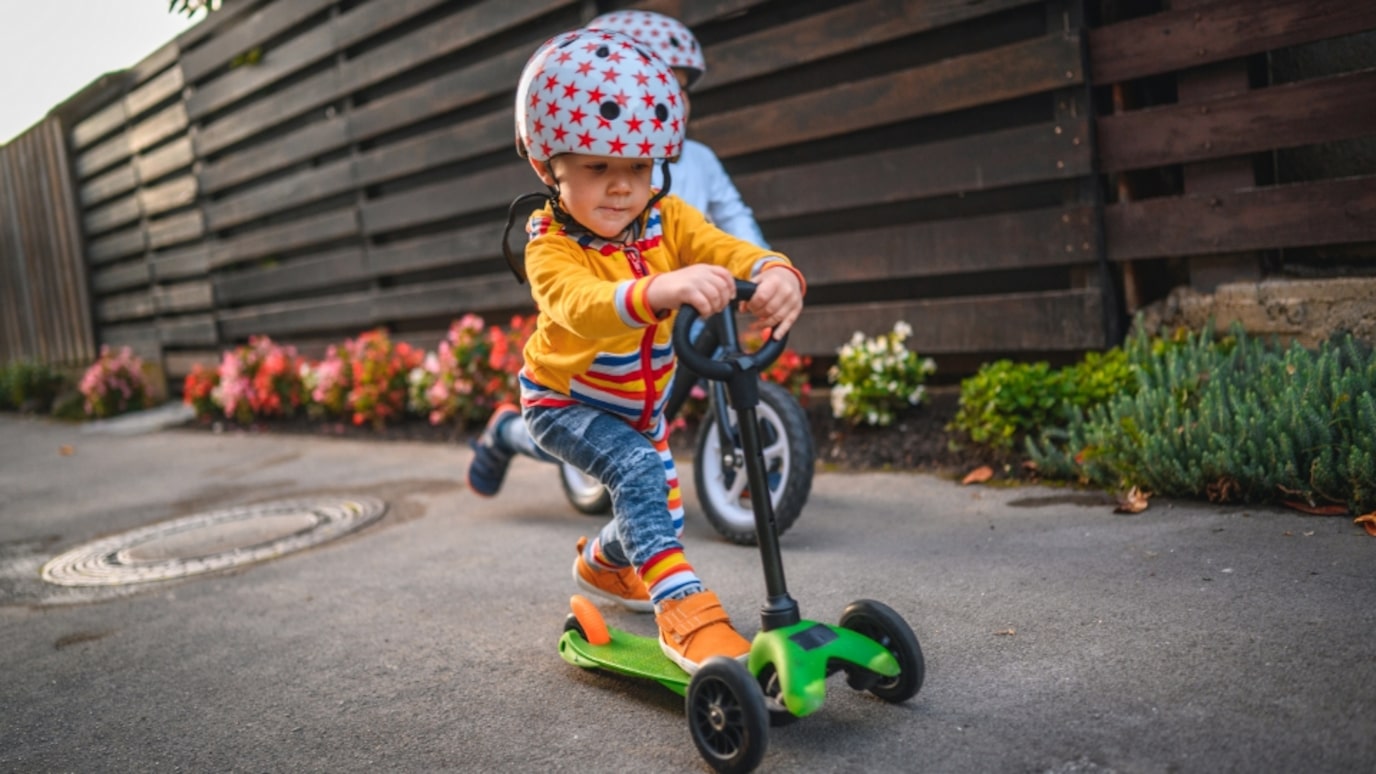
[[682, 621]]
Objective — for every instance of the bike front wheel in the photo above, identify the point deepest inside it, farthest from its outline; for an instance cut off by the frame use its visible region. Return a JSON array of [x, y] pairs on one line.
[[723, 491]]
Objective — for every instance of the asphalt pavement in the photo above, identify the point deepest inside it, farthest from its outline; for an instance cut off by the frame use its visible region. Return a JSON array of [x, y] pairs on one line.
[[1059, 637]]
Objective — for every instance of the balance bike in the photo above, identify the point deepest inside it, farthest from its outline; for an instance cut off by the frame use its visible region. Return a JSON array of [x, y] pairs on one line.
[[730, 706]]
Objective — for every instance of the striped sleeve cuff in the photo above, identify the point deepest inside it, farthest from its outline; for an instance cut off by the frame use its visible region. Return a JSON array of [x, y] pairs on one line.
[[631, 304], [774, 262]]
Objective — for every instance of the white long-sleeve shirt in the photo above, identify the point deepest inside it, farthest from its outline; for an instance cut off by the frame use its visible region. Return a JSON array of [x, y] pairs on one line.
[[699, 179]]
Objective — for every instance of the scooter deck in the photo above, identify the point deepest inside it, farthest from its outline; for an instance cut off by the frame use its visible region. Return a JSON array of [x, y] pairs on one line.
[[627, 654]]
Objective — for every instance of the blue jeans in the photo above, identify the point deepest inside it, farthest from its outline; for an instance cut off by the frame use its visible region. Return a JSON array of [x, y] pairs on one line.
[[639, 477]]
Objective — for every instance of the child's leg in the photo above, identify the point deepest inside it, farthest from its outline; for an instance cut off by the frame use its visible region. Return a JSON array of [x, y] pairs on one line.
[[644, 531], [504, 436]]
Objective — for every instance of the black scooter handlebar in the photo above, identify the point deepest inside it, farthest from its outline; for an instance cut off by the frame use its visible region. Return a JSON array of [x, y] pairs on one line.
[[730, 359]]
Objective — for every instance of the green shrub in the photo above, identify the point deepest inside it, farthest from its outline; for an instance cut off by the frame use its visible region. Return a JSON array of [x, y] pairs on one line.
[[1230, 420], [29, 384], [876, 378], [1005, 401]]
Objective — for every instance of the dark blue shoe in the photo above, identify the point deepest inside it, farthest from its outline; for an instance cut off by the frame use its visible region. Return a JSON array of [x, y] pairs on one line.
[[490, 460]]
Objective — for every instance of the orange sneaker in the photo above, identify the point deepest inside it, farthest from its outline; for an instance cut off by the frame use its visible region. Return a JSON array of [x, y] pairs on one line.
[[623, 585], [696, 628]]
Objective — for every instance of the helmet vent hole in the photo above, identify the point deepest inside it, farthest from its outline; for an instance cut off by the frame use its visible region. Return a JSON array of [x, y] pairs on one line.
[[603, 52], [609, 110], [673, 41], [661, 112]]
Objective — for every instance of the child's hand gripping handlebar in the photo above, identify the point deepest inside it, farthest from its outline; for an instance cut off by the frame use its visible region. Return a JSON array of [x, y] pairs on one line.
[[729, 359]]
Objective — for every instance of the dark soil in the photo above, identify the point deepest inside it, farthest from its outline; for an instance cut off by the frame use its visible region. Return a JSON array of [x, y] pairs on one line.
[[918, 441]]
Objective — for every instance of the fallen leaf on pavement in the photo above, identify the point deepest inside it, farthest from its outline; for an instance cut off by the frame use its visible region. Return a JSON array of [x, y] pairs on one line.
[[1317, 510], [978, 476], [66, 451], [1009, 632], [1368, 522], [1134, 501]]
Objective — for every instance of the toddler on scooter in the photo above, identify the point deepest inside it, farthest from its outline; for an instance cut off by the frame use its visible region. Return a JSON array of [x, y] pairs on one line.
[[609, 261]]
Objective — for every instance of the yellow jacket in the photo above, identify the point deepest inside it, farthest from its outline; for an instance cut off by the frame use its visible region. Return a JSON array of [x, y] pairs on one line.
[[597, 341]]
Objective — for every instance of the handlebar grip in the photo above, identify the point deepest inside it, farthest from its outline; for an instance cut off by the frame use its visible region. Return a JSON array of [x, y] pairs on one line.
[[721, 369]]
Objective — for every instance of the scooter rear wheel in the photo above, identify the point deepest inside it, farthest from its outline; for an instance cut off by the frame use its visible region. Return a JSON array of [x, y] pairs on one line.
[[880, 623], [727, 716]]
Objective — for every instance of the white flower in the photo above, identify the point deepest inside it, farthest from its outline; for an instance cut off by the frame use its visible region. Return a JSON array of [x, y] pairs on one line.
[[903, 329]]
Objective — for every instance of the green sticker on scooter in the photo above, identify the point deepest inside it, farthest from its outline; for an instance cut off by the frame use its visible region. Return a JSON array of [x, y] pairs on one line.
[[626, 654]]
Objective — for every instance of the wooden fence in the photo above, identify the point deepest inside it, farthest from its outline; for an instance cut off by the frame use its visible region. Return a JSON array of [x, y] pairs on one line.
[[998, 173]]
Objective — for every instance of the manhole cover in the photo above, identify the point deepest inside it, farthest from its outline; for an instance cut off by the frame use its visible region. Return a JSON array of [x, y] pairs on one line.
[[211, 541]]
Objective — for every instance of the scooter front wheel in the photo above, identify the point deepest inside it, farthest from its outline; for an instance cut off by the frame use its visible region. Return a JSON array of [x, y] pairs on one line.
[[880, 623], [727, 716]]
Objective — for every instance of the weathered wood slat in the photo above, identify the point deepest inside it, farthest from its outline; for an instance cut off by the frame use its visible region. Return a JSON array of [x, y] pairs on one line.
[[1319, 213], [451, 297], [445, 146], [294, 235], [150, 94], [111, 184], [263, 24], [189, 261], [196, 330], [496, 75], [163, 124], [103, 155], [1063, 320], [851, 27], [1217, 31], [177, 364], [486, 190], [431, 252], [127, 306], [1308, 112], [349, 312], [451, 34], [1030, 67], [695, 12], [1019, 240], [120, 212], [165, 160], [99, 124], [992, 160], [115, 246], [141, 338], [302, 51], [182, 227], [177, 192], [289, 149], [285, 193], [302, 273], [184, 297], [120, 277]]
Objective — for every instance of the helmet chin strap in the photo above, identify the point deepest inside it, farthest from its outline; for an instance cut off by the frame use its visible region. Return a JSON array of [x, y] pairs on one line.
[[560, 215]]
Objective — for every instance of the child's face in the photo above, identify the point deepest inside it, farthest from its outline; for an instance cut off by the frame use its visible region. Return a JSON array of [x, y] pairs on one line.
[[603, 193], [681, 75]]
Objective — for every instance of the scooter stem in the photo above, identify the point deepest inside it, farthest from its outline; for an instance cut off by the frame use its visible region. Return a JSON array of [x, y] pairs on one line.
[[780, 609]]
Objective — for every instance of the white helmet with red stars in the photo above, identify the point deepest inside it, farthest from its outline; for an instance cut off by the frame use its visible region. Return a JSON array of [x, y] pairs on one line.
[[667, 37], [599, 93]]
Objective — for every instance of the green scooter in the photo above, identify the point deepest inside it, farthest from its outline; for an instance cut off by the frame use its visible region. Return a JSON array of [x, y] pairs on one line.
[[730, 706]]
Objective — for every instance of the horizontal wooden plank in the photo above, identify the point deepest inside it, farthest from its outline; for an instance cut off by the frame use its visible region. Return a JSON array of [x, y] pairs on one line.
[[292, 235], [1216, 31], [453, 33], [120, 212], [151, 94], [141, 338], [189, 261], [993, 160], [113, 183], [695, 12], [432, 252], [162, 58], [287, 150], [303, 187], [158, 127], [1297, 215], [182, 227], [1294, 114], [98, 124], [165, 160], [104, 155], [451, 297], [184, 297], [311, 272], [125, 306], [349, 312], [1017, 70], [121, 276], [265, 23], [174, 193], [197, 330], [445, 146], [492, 76], [475, 193], [115, 246], [1062, 320], [311, 46], [852, 27], [177, 364], [1019, 240]]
